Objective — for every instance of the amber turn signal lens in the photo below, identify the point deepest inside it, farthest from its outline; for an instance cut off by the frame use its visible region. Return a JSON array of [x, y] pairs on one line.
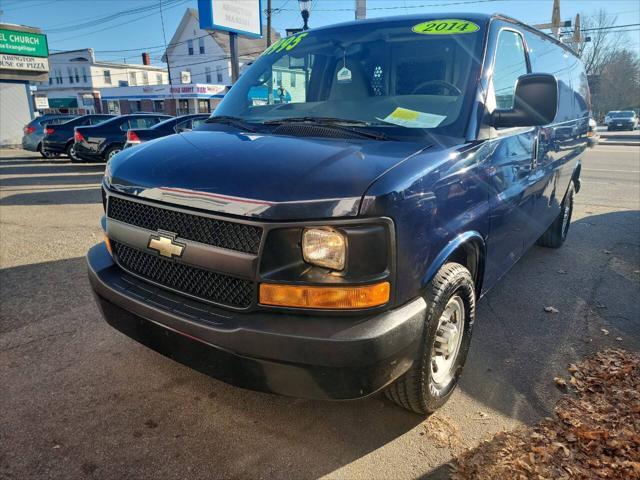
[[107, 242], [333, 297]]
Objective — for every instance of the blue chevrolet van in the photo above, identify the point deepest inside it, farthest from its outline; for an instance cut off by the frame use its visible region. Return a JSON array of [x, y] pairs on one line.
[[330, 238]]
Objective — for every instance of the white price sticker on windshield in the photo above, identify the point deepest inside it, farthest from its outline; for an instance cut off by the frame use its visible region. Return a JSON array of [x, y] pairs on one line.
[[413, 119]]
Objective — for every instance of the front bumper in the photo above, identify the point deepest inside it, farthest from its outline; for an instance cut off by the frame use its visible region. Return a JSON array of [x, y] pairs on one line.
[[319, 357]]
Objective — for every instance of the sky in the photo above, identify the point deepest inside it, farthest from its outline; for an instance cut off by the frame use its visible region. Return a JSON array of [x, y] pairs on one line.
[[75, 24]]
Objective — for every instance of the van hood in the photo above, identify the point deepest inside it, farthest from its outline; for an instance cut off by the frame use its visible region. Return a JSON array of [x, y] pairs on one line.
[[257, 175]]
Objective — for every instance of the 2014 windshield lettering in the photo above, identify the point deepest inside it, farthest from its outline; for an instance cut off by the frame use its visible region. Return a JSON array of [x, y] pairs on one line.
[[449, 26], [288, 43]]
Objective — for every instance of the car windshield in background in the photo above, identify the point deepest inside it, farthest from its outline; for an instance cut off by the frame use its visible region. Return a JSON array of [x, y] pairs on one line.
[[401, 76], [623, 114]]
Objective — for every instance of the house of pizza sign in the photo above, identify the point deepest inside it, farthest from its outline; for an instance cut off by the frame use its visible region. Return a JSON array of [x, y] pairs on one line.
[[24, 53]]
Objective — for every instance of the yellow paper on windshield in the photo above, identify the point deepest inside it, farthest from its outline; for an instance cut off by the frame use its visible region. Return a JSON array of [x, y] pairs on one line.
[[413, 119]]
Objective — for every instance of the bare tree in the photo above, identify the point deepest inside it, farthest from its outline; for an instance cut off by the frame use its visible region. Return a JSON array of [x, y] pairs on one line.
[[619, 83], [604, 41]]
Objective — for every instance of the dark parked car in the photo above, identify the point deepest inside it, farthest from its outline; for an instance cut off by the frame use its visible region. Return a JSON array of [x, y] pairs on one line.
[[184, 123], [59, 138], [336, 244], [101, 142], [622, 120], [34, 132]]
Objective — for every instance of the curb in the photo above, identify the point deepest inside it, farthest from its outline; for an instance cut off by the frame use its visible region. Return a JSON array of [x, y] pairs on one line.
[[619, 144]]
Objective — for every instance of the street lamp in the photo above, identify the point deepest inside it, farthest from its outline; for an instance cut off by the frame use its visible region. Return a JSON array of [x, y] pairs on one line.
[[305, 5]]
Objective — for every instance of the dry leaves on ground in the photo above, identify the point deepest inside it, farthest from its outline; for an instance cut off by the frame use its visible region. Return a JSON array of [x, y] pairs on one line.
[[596, 432]]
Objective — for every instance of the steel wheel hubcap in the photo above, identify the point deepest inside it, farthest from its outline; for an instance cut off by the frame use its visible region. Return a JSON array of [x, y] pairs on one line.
[[114, 153], [447, 342], [566, 216]]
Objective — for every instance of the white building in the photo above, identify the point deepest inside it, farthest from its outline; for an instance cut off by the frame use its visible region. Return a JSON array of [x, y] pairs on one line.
[[206, 55], [76, 77]]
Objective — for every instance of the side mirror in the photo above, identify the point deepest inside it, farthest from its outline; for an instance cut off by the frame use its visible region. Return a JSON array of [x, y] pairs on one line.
[[535, 102]]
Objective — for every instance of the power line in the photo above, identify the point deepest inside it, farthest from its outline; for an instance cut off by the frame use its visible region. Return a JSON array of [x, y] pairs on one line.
[[398, 7]]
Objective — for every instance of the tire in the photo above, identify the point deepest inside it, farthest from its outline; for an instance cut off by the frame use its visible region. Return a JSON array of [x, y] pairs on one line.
[[420, 389], [70, 152], [556, 234], [111, 151], [47, 155]]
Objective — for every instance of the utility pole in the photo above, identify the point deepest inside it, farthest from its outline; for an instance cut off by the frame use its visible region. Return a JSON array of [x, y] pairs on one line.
[[235, 61], [268, 23], [361, 9]]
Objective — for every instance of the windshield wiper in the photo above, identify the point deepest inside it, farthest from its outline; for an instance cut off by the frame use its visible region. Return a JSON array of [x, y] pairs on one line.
[[339, 123], [233, 121]]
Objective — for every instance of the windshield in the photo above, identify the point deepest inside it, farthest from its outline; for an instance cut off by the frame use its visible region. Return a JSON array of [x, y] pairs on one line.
[[385, 74], [629, 114]]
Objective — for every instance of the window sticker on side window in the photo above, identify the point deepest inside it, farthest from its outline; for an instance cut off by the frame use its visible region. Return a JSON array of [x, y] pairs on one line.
[[450, 26], [413, 119]]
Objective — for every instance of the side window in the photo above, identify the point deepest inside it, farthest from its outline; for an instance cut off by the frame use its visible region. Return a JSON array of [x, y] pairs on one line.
[[510, 63], [143, 122], [124, 126], [183, 126], [197, 122]]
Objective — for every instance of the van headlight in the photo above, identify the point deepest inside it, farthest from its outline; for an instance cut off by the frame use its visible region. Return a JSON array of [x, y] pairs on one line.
[[324, 248]]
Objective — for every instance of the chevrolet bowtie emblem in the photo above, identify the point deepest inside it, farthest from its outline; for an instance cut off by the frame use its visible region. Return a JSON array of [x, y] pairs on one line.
[[166, 245]]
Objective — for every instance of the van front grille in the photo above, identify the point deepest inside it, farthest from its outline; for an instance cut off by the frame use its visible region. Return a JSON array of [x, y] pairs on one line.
[[219, 233], [204, 284]]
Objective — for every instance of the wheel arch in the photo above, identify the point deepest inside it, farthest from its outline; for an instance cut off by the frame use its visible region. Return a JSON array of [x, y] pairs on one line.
[[467, 249]]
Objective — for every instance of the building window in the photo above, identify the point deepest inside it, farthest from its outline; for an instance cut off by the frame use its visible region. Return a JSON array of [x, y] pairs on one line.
[[132, 78], [107, 76], [183, 107], [279, 78], [293, 79], [135, 105], [159, 78], [70, 74], [219, 74], [75, 71], [203, 106], [113, 107], [145, 78], [190, 46], [207, 74], [158, 106], [50, 80], [58, 76], [201, 45], [84, 74]]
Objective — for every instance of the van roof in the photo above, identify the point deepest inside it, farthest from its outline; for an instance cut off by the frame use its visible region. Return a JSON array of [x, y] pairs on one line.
[[480, 18]]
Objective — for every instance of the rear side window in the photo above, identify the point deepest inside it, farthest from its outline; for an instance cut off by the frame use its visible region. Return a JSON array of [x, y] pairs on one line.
[[510, 63], [143, 122], [548, 57]]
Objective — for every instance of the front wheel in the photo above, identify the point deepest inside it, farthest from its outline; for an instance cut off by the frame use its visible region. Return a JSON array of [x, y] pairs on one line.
[[70, 151], [446, 338], [556, 234], [112, 152]]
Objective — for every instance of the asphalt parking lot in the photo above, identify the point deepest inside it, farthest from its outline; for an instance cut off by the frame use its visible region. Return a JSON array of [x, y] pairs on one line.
[[80, 400]]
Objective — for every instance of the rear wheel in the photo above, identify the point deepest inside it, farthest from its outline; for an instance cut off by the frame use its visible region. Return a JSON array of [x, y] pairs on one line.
[[429, 383], [112, 151], [556, 234], [70, 151]]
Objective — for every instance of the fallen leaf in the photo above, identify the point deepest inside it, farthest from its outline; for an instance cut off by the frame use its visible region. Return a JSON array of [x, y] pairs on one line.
[[619, 339], [605, 331], [551, 310], [607, 252], [560, 382], [562, 272]]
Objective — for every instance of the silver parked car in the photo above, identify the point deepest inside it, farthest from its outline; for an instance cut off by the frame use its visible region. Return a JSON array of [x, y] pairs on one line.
[[34, 132]]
